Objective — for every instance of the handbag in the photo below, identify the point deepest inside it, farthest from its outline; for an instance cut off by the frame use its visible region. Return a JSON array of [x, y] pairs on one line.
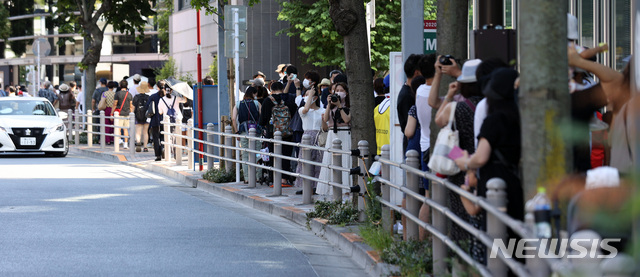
[[321, 138], [103, 102], [151, 111], [447, 139]]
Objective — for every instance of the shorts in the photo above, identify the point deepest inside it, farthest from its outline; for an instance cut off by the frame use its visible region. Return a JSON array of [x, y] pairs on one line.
[[122, 123]]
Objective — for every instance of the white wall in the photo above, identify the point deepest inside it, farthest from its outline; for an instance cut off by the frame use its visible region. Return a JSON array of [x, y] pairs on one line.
[[183, 37]]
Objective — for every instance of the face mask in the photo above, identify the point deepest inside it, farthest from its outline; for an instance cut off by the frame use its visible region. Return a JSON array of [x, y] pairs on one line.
[[342, 95], [281, 75], [261, 79], [306, 83]]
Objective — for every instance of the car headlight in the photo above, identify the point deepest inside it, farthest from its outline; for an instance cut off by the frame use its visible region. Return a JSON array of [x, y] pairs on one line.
[[5, 130], [57, 128]]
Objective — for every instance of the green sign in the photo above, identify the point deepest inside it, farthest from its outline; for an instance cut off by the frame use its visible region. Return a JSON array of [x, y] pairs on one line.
[[430, 42]]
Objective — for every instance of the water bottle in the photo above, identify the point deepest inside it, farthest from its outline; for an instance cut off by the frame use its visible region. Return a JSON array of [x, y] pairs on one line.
[[542, 214]]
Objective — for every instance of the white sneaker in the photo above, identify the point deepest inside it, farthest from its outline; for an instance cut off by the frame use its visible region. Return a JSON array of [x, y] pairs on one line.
[[126, 146]]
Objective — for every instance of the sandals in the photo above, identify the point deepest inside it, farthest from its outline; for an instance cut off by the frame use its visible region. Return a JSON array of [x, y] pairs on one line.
[[284, 185], [145, 150]]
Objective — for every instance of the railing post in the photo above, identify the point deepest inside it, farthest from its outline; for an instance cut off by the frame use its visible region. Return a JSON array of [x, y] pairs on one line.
[[387, 222], [90, 128], [228, 153], [363, 148], [307, 190], [103, 130], [116, 132], [496, 229], [177, 130], [76, 126], [190, 142], [252, 159], [208, 148], [337, 174], [132, 133], [167, 138], [277, 164], [439, 195], [70, 124], [413, 184]]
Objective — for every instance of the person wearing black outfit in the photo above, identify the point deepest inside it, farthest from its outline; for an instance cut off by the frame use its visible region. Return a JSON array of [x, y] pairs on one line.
[[405, 96], [378, 88], [156, 119], [265, 121]]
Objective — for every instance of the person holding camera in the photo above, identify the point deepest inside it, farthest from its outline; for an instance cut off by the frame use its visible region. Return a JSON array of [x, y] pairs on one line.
[[336, 119], [446, 64]]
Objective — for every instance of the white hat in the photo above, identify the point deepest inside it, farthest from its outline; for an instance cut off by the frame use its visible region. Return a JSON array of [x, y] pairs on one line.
[[137, 77], [469, 71], [63, 87], [572, 27]]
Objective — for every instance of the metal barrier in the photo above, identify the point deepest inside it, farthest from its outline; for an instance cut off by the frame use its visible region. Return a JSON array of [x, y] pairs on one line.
[[78, 123], [229, 161], [494, 204]]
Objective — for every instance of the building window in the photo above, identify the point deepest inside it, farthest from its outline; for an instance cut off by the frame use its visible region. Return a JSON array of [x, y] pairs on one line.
[[621, 32]]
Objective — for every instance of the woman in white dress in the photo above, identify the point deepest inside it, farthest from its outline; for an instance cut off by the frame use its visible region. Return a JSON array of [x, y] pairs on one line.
[[311, 116], [336, 119]]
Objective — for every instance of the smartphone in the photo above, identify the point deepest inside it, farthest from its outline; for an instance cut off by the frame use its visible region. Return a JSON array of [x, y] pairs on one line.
[[455, 153], [294, 76]]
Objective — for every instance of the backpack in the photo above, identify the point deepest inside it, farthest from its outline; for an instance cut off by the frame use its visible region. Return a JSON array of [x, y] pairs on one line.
[[140, 109], [171, 112], [67, 101], [280, 117]]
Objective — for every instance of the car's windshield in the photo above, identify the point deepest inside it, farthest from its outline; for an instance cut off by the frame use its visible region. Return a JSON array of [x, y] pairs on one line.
[[31, 107]]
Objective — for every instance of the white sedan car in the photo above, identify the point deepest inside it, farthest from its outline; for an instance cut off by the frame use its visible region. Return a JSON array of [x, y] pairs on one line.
[[31, 124]]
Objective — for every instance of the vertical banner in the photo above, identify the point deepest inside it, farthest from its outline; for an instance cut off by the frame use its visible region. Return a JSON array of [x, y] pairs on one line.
[[397, 79], [430, 41]]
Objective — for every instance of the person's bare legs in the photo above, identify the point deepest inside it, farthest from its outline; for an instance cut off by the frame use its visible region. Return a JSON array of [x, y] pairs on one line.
[[424, 216]]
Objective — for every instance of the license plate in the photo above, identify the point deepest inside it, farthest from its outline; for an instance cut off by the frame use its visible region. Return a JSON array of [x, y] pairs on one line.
[[27, 141]]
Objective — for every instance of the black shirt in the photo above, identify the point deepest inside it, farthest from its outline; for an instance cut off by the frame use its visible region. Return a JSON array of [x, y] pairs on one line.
[[503, 134], [379, 99], [405, 101]]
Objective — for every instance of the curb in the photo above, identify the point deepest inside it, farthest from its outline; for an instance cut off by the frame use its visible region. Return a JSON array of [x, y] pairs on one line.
[[344, 238]]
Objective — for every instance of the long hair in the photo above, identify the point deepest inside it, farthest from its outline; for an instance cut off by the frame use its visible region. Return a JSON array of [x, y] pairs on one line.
[[347, 103]]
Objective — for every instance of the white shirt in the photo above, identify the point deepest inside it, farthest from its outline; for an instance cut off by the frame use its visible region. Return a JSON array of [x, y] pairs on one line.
[[299, 98], [80, 99], [162, 108], [312, 120], [134, 90], [478, 118], [424, 116]]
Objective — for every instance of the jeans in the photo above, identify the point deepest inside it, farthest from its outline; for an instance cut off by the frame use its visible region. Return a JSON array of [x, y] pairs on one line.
[[244, 143]]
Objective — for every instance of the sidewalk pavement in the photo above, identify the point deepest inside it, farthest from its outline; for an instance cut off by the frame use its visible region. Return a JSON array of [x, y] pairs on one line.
[[289, 205]]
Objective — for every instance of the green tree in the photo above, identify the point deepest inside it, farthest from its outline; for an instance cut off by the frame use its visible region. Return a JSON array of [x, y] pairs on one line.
[[126, 16], [170, 69], [22, 27], [324, 46]]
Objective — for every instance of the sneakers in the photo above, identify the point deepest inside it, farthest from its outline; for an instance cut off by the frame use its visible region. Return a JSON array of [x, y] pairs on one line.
[[158, 159], [126, 146], [146, 150]]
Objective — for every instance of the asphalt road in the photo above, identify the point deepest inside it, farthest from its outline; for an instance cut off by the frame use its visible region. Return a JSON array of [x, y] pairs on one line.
[[76, 216]]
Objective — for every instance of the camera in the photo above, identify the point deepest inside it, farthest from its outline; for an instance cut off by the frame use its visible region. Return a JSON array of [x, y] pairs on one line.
[[335, 98], [446, 60]]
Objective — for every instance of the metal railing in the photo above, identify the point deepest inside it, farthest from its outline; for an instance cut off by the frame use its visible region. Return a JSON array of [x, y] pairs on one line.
[[227, 147], [495, 203], [78, 122]]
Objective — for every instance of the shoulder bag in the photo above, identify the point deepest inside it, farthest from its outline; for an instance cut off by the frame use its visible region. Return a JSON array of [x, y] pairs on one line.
[[103, 102], [447, 140]]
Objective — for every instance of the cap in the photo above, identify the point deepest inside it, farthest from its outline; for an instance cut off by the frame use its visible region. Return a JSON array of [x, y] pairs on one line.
[[280, 67], [136, 77], [258, 82], [387, 81], [63, 87], [469, 71], [325, 82], [501, 84], [103, 81]]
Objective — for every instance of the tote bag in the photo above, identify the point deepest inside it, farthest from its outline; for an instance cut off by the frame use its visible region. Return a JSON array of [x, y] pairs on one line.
[[447, 139]]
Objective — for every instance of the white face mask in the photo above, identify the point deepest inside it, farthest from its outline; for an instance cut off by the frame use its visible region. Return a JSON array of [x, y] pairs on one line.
[[306, 83], [342, 95], [281, 75]]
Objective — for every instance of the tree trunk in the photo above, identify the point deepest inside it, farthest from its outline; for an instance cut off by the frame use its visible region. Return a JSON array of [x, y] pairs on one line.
[[90, 83], [349, 18], [544, 97], [451, 35]]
